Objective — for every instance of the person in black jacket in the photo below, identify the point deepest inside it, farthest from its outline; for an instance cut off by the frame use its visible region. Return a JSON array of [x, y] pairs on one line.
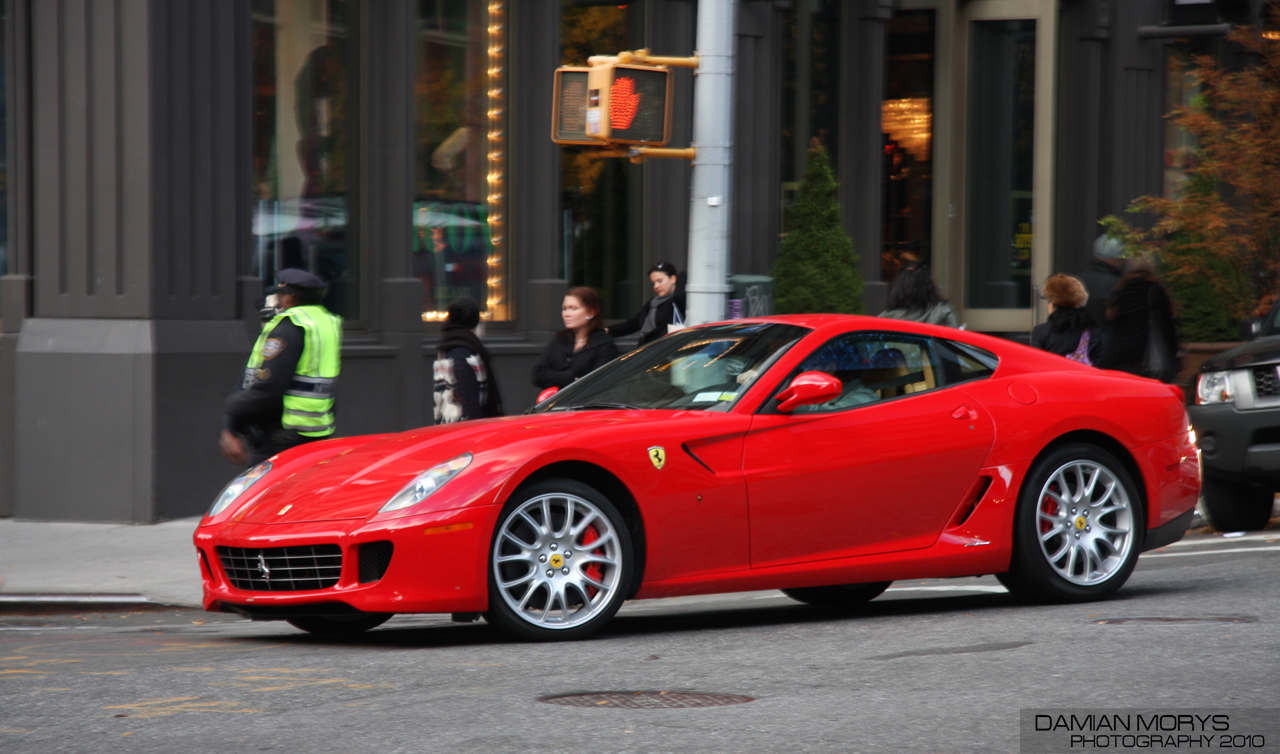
[[1070, 331], [464, 385], [665, 309], [580, 348], [1102, 275], [1139, 335]]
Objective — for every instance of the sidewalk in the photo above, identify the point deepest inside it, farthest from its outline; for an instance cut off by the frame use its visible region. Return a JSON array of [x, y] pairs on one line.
[[156, 561]]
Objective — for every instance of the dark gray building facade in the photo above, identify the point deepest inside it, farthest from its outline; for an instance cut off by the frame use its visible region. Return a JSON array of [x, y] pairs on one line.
[[162, 159]]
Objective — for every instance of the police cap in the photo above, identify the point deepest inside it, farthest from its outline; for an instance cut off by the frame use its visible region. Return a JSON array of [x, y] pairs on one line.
[[299, 278]]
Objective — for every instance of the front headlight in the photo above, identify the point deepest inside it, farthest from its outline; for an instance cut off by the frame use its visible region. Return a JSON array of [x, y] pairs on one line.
[[426, 483], [1215, 387], [233, 491]]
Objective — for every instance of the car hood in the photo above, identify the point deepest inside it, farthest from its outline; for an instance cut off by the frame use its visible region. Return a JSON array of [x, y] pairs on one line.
[[1261, 351], [357, 481]]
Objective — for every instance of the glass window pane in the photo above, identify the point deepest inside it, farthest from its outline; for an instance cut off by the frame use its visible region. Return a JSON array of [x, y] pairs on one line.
[[872, 367], [303, 145], [600, 199], [907, 123], [460, 160], [811, 90], [1002, 79], [4, 148]]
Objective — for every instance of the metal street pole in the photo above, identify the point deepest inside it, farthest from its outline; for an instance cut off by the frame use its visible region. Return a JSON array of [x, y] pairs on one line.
[[708, 272]]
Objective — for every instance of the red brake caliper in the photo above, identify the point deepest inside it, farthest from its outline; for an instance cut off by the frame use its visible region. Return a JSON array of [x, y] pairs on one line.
[[593, 570], [1050, 508]]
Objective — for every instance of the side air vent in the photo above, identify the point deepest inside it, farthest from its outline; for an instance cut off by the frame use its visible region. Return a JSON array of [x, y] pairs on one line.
[[375, 557], [976, 492]]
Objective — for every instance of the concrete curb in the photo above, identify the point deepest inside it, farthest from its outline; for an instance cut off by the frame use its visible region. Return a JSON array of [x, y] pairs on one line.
[[29, 604]]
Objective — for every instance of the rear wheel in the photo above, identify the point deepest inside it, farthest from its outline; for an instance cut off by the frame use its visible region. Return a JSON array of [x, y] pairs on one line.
[[560, 564], [340, 625], [1077, 529], [842, 596], [1236, 506]]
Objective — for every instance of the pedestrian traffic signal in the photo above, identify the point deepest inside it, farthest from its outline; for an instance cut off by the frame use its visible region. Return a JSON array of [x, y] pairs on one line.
[[569, 111], [628, 104]]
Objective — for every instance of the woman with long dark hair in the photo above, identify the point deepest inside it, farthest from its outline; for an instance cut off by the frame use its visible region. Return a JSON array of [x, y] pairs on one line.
[[580, 348], [664, 311], [915, 297], [1139, 334]]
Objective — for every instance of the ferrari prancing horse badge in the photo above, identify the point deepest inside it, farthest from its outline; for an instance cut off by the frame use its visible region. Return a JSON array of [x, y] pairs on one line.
[[658, 456]]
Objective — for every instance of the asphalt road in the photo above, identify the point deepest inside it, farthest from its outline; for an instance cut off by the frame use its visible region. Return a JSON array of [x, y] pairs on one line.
[[931, 666]]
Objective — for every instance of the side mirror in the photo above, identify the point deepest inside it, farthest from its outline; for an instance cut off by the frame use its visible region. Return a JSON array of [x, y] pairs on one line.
[[545, 394], [807, 389], [1250, 328]]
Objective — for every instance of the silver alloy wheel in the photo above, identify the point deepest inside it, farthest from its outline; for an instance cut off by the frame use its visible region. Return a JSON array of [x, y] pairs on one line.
[[557, 561], [1084, 521]]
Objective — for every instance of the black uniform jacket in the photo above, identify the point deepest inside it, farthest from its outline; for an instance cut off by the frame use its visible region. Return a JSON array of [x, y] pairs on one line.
[[560, 366], [665, 316]]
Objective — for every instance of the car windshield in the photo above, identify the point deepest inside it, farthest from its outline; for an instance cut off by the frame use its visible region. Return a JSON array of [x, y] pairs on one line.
[[703, 368]]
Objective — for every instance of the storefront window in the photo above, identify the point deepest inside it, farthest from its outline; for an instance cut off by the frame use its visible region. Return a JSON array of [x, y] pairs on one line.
[[599, 198], [999, 166], [1180, 91], [303, 144], [4, 149], [460, 182], [811, 89], [907, 123]]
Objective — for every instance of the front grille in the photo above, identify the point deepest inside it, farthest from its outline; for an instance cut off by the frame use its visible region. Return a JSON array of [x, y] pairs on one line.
[[374, 559], [282, 569], [1266, 383]]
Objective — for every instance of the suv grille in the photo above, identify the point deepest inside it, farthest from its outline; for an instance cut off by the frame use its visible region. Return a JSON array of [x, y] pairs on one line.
[[1265, 381], [282, 569]]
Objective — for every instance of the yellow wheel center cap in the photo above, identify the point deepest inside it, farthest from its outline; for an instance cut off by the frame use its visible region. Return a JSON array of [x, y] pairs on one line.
[[1080, 522], [557, 560]]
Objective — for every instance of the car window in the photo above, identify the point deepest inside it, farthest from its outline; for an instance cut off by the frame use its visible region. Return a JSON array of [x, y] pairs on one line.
[[873, 367], [962, 362], [705, 368]]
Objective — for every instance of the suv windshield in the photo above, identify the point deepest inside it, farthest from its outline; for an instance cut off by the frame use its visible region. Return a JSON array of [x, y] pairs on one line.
[[703, 368]]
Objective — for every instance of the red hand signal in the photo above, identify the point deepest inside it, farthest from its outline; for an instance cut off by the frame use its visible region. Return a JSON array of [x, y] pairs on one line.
[[623, 102]]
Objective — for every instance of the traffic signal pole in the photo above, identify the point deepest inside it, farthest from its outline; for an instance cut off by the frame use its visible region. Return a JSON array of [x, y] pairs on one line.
[[707, 284]]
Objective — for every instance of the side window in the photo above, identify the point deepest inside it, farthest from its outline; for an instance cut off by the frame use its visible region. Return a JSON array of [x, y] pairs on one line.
[[962, 362], [872, 367]]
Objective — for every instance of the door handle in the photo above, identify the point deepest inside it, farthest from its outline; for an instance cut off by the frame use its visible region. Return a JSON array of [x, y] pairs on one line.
[[964, 412]]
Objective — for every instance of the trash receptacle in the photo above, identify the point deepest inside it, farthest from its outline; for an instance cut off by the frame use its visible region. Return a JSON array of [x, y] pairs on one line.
[[752, 296]]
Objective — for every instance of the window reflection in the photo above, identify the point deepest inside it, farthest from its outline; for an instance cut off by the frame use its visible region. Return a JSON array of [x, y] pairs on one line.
[[599, 197], [303, 129], [4, 149], [1001, 139], [811, 89], [1181, 90], [459, 194], [907, 125]]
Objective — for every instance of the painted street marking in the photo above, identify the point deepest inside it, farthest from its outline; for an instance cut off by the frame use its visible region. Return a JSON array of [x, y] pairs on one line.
[[990, 589], [1211, 552], [176, 705]]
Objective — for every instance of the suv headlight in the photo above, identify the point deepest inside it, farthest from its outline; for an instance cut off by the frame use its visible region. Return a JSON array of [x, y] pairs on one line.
[[233, 491], [426, 483], [1215, 387]]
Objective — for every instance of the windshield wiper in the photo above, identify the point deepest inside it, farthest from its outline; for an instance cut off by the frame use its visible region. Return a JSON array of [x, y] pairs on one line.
[[595, 406]]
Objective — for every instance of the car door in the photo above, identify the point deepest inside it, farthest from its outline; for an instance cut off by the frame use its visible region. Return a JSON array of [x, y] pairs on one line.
[[880, 469]]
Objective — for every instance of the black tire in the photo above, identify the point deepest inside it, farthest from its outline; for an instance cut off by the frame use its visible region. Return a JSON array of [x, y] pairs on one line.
[[840, 596], [340, 625], [560, 563], [1236, 506], [1062, 517]]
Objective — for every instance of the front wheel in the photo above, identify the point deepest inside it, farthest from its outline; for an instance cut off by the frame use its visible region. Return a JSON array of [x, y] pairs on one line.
[[340, 625], [1077, 529], [560, 564], [840, 596], [1236, 506]]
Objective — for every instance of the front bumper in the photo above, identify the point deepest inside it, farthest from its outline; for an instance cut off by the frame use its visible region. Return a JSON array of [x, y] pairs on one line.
[[438, 565], [1238, 445]]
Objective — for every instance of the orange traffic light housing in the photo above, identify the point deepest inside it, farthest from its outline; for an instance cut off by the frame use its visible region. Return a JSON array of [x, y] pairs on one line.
[[569, 110], [628, 104]]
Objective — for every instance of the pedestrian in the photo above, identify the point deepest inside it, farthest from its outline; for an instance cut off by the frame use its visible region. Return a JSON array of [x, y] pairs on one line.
[[1102, 275], [1070, 331], [915, 297], [287, 394], [664, 313], [580, 348], [464, 383], [1139, 335]]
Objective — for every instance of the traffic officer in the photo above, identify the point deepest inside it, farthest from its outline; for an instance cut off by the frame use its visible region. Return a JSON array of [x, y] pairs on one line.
[[287, 395]]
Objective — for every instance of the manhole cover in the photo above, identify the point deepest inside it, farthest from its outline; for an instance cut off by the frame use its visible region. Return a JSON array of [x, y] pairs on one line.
[[1196, 619], [646, 699]]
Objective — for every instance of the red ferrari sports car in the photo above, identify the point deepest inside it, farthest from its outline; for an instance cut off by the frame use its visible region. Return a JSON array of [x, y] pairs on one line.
[[822, 455]]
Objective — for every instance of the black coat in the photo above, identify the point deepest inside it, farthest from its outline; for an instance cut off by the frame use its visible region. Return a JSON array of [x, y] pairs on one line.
[[1065, 341], [560, 366], [666, 316], [1100, 279], [1125, 333]]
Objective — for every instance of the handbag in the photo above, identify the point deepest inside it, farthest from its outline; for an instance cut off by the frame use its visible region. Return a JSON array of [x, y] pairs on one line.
[[678, 321], [1157, 362], [1081, 354]]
